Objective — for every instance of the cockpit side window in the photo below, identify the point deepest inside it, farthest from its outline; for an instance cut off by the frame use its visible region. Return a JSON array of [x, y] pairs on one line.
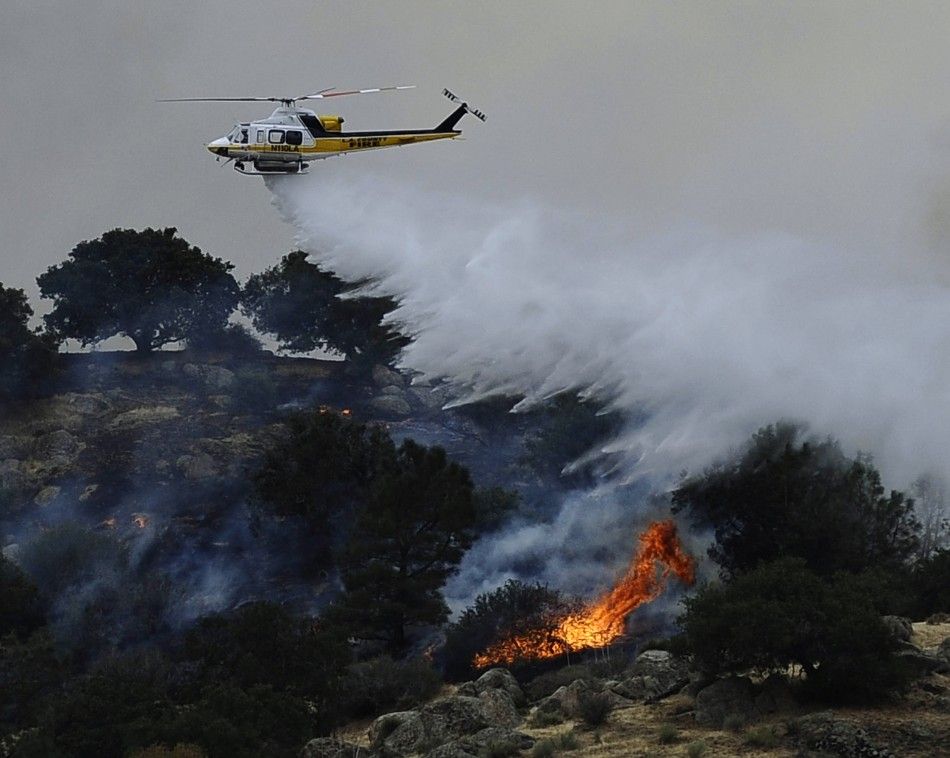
[[294, 137], [275, 136]]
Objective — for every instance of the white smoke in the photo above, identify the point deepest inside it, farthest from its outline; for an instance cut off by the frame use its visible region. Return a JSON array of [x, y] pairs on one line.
[[706, 337], [699, 338]]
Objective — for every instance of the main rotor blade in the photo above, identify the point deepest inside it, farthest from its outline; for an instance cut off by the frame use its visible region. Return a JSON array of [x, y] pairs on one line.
[[326, 93], [224, 99]]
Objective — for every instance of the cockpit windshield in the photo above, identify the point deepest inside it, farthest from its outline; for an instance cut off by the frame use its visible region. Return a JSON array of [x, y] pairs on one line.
[[235, 134]]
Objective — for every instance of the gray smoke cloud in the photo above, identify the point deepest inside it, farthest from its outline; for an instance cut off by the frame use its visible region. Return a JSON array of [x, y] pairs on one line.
[[698, 337]]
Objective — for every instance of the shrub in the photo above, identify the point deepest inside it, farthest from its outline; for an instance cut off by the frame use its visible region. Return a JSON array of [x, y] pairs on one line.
[[501, 748], [696, 749], [785, 495], [790, 616], [234, 339], [668, 734], [382, 685], [764, 736], [733, 722], [20, 610], [254, 390], [514, 608], [181, 750], [543, 749], [595, 708]]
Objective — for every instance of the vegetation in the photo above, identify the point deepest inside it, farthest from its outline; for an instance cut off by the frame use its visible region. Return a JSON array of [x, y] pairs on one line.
[[788, 496], [27, 357], [792, 616], [512, 609], [150, 286], [382, 685], [594, 708], [668, 734], [408, 538], [302, 306]]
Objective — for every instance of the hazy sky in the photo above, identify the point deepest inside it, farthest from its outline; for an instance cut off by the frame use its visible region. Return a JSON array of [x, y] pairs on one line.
[[746, 116]]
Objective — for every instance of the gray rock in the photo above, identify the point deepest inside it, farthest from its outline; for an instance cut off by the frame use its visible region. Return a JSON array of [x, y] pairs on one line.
[[901, 629], [211, 377], [386, 377], [88, 491], [392, 391], [827, 733], [200, 466], [145, 416], [924, 664], [499, 708], [47, 495], [15, 446], [390, 405], [565, 701], [468, 689], [654, 674], [495, 737], [451, 718], [451, 750], [943, 649], [11, 552], [430, 398], [329, 747], [500, 679], [400, 733], [12, 475], [60, 447], [732, 696]]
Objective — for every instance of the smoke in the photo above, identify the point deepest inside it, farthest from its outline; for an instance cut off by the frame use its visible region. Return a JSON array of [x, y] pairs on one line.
[[697, 336]]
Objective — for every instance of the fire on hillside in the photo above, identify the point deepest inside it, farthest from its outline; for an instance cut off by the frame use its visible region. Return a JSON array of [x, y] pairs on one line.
[[603, 621]]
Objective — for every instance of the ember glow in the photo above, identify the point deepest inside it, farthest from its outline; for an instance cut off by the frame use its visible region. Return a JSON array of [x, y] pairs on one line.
[[140, 520], [659, 554]]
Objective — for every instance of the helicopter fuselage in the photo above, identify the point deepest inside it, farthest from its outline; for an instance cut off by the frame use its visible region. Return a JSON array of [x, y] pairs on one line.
[[291, 137]]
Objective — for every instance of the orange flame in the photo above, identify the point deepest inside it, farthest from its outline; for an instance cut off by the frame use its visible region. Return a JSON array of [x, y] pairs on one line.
[[140, 520], [604, 620]]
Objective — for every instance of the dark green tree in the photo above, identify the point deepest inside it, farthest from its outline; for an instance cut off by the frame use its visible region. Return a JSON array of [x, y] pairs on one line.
[[27, 357], [301, 305], [322, 471], [784, 495], [20, 609], [409, 537], [150, 285], [516, 608], [782, 614]]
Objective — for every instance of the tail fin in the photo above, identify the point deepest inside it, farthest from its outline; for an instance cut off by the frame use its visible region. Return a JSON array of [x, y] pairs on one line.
[[454, 117]]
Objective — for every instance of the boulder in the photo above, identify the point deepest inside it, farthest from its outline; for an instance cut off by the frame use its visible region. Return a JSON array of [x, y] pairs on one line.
[[732, 696], [211, 377], [47, 495], [943, 649], [494, 740], [901, 629], [468, 689], [451, 718], [654, 674], [14, 446], [386, 377], [500, 708], [938, 618], [200, 466], [13, 475], [924, 664], [59, 447], [329, 747], [88, 491], [500, 679], [390, 405], [827, 733], [450, 750], [565, 701], [400, 733], [430, 398], [144, 416]]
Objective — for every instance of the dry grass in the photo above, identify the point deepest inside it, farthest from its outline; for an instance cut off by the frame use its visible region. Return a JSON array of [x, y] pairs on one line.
[[929, 635]]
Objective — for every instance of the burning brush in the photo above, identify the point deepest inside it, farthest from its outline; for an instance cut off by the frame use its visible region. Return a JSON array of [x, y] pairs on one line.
[[597, 625]]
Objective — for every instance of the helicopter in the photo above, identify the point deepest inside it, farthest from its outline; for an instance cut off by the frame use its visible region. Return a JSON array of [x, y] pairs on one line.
[[287, 140]]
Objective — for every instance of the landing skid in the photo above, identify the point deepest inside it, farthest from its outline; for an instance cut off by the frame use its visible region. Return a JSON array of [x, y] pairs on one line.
[[293, 169]]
